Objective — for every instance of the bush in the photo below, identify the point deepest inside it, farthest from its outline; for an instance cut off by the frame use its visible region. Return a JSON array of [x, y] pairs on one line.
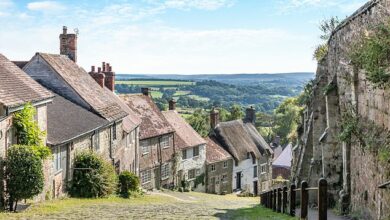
[[24, 174], [92, 176], [128, 182]]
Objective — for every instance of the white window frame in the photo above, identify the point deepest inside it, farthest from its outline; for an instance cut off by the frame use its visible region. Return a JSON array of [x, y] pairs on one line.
[[144, 147], [57, 161], [224, 178], [165, 171], [146, 176], [263, 168], [225, 164], [193, 151], [184, 154], [164, 142], [192, 170], [213, 168], [255, 171]]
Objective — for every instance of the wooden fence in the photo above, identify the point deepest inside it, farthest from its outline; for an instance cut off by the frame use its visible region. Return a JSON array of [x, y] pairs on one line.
[[283, 200]]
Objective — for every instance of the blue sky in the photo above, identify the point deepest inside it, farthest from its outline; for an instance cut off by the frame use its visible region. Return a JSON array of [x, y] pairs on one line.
[[174, 36]]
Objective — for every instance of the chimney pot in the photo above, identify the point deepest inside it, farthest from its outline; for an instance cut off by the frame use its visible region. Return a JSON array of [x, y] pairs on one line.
[[93, 69], [104, 66], [145, 91], [99, 69], [64, 29], [214, 118], [172, 104]]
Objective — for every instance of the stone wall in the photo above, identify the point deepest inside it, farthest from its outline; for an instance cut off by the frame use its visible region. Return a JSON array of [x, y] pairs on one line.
[[353, 172], [190, 163], [214, 182]]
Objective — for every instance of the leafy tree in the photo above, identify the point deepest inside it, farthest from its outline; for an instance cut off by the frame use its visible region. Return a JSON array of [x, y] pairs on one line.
[[199, 120], [224, 115], [236, 112], [24, 174], [326, 27], [287, 120], [92, 176]]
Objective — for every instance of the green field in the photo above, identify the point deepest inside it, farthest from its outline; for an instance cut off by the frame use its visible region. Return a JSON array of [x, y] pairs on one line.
[[181, 93], [156, 83], [156, 94], [199, 98]]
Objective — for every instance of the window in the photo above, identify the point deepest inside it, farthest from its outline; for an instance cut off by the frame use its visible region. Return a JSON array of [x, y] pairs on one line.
[[95, 141], [165, 171], [164, 142], [255, 171], [196, 151], [59, 155], [213, 167], [144, 147], [146, 176], [225, 164], [253, 160], [191, 174], [184, 154], [224, 178], [263, 168], [114, 131], [248, 155]]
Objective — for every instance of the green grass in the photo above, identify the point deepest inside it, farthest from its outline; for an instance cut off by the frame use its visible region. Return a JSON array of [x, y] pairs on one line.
[[181, 93], [156, 94], [156, 82], [258, 212], [199, 98]]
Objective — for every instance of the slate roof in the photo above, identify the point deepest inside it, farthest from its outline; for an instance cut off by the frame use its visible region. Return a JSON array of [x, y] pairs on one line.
[[215, 152], [17, 88], [240, 138], [20, 64], [284, 159], [185, 136], [100, 99], [153, 121], [66, 121]]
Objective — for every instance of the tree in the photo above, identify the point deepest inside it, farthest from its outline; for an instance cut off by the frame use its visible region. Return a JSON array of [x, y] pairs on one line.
[[199, 121], [128, 182], [224, 115], [327, 27], [24, 174], [236, 112]]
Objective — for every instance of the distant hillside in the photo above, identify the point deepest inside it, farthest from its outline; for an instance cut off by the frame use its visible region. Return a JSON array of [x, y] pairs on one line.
[[292, 79]]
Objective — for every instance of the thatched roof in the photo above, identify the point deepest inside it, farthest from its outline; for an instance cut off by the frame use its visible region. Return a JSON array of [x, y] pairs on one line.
[[240, 138]]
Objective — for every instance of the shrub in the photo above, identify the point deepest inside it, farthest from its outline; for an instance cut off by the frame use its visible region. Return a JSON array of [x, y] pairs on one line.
[[92, 176], [24, 174], [128, 182]]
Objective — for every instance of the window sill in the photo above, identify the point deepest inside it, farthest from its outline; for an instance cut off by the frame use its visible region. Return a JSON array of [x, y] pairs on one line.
[[143, 154], [57, 172], [146, 183], [165, 178]]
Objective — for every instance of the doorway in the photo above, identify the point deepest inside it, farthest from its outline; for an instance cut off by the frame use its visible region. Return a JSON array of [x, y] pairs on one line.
[[255, 188], [238, 180]]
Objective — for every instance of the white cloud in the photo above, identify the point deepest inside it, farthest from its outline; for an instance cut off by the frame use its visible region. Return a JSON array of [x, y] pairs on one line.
[[198, 4], [45, 6], [345, 6], [5, 5]]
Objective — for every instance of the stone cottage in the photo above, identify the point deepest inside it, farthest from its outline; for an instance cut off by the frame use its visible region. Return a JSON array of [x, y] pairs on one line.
[[219, 168], [191, 151], [252, 170], [156, 138], [61, 75], [16, 90]]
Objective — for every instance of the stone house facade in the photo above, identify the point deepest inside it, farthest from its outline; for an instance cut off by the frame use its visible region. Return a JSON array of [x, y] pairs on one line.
[[157, 142], [219, 168], [252, 170], [191, 151], [18, 89]]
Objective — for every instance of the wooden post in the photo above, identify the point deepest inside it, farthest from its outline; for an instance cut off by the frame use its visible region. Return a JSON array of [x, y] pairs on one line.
[[322, 199], [274, 199], [279, 207], [284, 206], [304, 200], [293, 198], [271, 199]]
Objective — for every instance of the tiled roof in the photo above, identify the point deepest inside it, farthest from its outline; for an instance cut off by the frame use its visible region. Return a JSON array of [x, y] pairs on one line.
[[153, 121], [100, 99], [16, 87], [240, 138], [66, 121], [185, 136], [215, 152]]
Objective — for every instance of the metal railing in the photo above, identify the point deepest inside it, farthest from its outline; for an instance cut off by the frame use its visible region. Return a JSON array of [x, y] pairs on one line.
[[283, 199]]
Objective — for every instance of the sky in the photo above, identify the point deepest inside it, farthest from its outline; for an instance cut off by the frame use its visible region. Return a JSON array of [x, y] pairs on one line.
[[174, 36]]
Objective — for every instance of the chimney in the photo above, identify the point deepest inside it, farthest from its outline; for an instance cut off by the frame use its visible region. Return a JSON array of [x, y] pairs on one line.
[[250, 115], [214, 118], [145, 91], [97, 76], [109, 76], [172, 104], [68, 44]]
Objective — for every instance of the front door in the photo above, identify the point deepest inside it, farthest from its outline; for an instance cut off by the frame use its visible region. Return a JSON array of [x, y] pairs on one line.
[[157, 178], [255, 189], [238, 180], [213, 185]]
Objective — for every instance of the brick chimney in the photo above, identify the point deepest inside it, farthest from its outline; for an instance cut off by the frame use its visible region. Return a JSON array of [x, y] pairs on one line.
[[145, 91], [97, 76], [68, 44], [109, 80], [172, 104], [250, 115], [214, 118]]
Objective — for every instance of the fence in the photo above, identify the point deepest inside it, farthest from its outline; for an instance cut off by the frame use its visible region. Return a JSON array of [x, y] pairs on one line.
[[283, 200]]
